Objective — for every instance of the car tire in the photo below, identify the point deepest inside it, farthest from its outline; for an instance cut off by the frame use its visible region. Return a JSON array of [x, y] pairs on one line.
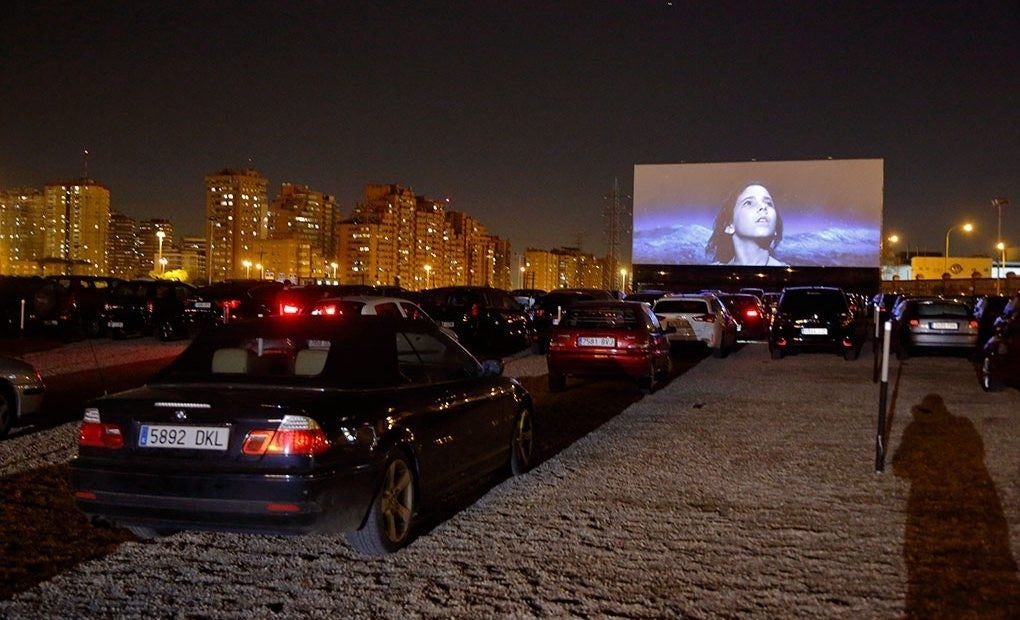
[[557, 381], [522, 443], [851, 354], [8, 409], [646, 382], [776, 353], [390, 523], [665, 373], [988, 382], [166, 331]]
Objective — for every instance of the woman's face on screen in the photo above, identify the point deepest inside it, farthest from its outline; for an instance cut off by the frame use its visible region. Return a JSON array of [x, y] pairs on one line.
[[754, 215]]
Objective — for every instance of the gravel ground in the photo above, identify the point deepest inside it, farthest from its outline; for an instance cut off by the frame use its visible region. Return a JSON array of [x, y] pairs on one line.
[[745, 487]]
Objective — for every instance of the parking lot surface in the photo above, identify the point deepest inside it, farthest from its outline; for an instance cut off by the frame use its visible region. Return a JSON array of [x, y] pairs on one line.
[[745, 487]]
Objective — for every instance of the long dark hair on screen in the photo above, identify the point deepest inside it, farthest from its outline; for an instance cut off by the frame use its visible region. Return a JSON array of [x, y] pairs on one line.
[[719, 248]]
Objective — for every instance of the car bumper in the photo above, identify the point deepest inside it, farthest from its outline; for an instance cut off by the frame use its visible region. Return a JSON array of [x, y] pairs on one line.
[[254, 503], [30, 399], [632, 365]]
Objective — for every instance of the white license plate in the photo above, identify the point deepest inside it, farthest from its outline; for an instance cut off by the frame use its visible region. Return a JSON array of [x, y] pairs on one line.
[[184, 437], [116, 324], [944, 325], [446, 323], [205, 305], [590, 341], [814, 331]]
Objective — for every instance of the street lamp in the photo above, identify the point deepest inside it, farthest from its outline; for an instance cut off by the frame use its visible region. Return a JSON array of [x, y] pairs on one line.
[[159, 257], [162, 265], [623, 277], [334, 266], [966, 228], [247, 269]]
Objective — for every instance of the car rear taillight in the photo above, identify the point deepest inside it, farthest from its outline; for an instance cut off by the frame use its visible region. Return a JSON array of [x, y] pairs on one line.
[[973, 324], [289, 309], [295, 436], [328, 310], [150, 307], [476, 310], [95, 433], [914, 322], [751, 313]]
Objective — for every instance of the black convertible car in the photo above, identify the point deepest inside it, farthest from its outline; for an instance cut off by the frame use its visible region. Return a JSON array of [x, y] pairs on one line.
[[299, 424]]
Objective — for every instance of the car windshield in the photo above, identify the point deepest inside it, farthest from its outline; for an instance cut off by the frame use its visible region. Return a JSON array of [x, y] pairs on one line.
[[813, 302], [601, 317], [943, 309], [682, 306], [359, 353]]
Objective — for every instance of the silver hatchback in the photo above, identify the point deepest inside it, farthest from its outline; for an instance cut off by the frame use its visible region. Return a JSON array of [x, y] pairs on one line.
[[933, 323]]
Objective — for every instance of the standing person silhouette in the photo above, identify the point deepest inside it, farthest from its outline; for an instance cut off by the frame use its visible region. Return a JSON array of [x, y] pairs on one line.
[[748, 231]]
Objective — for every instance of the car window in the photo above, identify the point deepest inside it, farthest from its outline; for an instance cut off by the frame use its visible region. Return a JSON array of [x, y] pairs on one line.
[[684, 306], [596, 317], [387, 308], [942, 310], [425, 358]]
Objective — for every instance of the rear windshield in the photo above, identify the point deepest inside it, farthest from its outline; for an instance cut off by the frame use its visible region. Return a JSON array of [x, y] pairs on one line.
[[683, 306], [943, 309], [600, 317], [815, 302]]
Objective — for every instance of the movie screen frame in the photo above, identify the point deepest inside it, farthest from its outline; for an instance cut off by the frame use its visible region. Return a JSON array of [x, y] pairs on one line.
[[814, 213]]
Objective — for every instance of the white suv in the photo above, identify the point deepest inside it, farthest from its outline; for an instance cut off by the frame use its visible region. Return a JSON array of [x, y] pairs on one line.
[[698, 318]]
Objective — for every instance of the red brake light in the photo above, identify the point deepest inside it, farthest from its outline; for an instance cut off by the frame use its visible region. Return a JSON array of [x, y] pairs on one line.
[[751, 313], [289, 309], [296, 435], [97, 434], [914, 322], [328, 310], [973, 324], [476, 310]]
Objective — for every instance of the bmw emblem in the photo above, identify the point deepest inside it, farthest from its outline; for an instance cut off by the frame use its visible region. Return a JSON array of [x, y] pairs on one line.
[[181, 414]]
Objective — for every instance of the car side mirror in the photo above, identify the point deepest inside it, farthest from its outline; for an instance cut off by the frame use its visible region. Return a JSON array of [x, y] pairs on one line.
[[492, 368]]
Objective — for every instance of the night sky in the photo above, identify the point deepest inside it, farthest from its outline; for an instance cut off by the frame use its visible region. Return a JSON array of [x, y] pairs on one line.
[[522, 113]]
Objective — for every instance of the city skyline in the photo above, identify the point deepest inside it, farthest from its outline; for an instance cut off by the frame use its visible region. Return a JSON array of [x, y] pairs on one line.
[[522, 115]]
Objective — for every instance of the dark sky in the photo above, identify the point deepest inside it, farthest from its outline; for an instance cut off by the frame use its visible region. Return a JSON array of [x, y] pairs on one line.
[[520, 112]]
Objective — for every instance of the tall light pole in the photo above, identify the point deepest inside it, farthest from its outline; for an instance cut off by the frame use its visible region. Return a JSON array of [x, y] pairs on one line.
[[247, 269], [967, 228], [1001, 247], [334, 265], [159, 257], [623, 278]]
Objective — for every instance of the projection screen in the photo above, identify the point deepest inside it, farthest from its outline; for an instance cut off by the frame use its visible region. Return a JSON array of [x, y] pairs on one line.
[[822, 213]]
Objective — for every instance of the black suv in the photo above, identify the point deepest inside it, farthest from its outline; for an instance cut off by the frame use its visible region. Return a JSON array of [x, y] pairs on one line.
[[816, 318], [546, 311], [150, 307], [486, 319], [74, 306]]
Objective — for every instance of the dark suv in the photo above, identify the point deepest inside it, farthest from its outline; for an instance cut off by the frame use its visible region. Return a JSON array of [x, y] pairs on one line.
[[486, 319], [816, 318], [150, 308], [74, 306], [546, 311]]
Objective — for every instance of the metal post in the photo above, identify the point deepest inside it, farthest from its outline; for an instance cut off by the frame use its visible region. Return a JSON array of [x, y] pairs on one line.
[[882, 394]]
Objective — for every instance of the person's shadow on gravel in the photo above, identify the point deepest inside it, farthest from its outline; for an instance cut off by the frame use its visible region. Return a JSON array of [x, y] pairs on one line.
[[956, 543]]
